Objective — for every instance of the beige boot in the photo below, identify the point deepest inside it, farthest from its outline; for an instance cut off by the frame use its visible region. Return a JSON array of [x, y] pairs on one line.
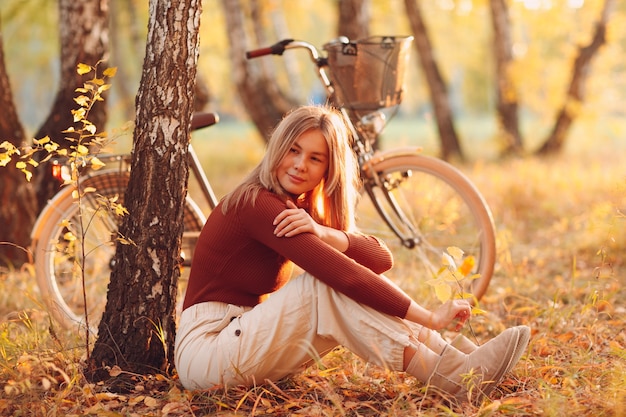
[[463, 344], [470, 377]]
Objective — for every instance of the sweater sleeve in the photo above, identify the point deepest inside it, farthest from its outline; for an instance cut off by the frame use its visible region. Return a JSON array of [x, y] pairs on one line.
[[336, 269], [369, 251]]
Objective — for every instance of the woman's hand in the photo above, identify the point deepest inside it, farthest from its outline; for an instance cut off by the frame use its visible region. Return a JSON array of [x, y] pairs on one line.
[[451, 310], [441, 317], [293, 220]]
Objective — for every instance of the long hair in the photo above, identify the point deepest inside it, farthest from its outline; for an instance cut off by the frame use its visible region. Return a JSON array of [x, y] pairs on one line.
[[332, 201]]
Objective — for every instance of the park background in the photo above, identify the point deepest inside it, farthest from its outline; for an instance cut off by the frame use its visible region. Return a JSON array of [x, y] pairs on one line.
[[560, 219]]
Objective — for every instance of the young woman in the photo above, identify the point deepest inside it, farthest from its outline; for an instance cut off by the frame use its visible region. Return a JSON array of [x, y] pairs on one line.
[[246, 320]]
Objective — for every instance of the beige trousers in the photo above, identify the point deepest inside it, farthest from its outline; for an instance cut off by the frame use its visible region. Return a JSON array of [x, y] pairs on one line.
[[222, 344]]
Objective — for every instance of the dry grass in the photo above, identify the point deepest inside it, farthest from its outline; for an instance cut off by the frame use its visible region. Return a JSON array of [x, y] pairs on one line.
[[562, 240]]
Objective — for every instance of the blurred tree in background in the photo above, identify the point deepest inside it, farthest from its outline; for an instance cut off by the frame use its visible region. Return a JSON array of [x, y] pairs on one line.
[[83, 38], [16, 218]]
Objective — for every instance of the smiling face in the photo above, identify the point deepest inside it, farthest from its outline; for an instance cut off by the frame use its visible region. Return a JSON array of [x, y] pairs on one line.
[[305, 164]]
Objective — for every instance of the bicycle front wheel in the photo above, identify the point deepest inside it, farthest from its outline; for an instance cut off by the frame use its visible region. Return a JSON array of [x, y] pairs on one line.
[[427, 206], [58, 249]]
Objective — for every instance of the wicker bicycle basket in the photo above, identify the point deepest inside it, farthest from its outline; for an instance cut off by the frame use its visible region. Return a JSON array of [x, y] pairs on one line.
[[368, 74]]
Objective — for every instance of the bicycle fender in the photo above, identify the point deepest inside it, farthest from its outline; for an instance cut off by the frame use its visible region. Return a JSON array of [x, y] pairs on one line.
[[381, 156]]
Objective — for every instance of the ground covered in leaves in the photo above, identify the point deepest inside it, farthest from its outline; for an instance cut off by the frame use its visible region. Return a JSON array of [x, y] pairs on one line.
[[561, 240]]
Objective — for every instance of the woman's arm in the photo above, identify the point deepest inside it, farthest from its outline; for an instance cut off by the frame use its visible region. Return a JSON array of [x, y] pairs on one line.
[[294, 220], [366, 250]]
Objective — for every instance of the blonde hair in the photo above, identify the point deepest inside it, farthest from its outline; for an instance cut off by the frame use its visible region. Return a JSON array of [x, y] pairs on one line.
[[332, 201]]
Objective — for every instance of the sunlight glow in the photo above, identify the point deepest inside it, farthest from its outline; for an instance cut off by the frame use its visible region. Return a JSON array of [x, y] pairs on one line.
[[549, 4], [466, 6]]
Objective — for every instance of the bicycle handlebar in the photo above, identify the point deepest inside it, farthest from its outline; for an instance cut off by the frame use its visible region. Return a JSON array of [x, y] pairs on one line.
[[277, 49], [281, 46]]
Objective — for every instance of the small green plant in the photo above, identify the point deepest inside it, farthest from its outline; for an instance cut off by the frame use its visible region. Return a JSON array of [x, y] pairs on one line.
[[81, 155]]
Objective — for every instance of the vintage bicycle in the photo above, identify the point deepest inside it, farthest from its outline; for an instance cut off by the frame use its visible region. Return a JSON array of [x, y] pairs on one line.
[[419, 205]]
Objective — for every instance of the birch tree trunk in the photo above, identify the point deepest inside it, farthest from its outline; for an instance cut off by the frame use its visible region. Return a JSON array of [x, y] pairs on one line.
[[138, 327]]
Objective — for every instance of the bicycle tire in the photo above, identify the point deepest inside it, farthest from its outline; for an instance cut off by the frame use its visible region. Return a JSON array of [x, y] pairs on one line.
[[57, 260], [445, 209]]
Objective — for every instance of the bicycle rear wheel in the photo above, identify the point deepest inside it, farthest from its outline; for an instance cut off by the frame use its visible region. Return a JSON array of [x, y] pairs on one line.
[[58, 258], [441, 208]]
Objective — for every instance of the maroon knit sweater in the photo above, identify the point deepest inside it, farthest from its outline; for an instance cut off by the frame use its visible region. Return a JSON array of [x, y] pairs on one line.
[[238, 260]]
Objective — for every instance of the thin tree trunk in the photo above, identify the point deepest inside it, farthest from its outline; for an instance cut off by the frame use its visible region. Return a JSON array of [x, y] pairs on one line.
[[506, 93], [576, 91], [84, 36], [138, 327], [354, 19], [291, 62], [450, 146], [17, 202], [124, 35], [259, 92]]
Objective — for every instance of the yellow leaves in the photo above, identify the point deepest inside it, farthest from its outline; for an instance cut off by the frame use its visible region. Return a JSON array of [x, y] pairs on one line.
[[443, 291], [82, 100], [21, 165], [94, 87], [90, 127], [84, 137], [455, 252], [4, 159], [467, 266], [79, 114], [83, 69], [10, 150], [110, 72], [82, 150], [447, 282], [96, 163], [8, 146]]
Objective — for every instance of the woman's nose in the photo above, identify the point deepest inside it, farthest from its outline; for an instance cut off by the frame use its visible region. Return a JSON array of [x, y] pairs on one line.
[[299, 164]]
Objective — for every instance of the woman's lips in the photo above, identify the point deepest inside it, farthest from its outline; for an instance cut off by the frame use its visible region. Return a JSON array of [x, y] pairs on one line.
[[296, 180]]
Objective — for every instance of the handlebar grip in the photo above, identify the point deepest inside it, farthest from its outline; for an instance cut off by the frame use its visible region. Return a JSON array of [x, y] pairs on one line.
[[276, 49], [259, 52], [200, 120]]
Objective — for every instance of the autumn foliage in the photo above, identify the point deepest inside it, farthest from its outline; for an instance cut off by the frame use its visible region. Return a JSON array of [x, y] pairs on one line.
[[561, 232]]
